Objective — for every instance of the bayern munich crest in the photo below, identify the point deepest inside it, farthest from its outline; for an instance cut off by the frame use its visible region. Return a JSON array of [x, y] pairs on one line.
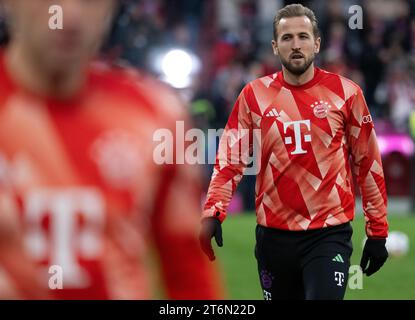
[[320, 108]]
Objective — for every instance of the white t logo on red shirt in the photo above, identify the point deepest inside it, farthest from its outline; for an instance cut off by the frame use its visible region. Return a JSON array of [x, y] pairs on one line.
[[297, 135]]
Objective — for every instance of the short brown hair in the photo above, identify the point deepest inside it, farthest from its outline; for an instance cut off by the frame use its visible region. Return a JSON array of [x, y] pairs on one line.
[[296, 10]]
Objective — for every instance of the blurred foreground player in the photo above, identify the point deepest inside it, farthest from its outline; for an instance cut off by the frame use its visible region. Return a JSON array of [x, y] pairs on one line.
[[79, 190], [310, 124]]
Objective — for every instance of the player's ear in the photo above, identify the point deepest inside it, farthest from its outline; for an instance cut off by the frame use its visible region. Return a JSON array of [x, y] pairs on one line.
[[317, 44], [274, 47]]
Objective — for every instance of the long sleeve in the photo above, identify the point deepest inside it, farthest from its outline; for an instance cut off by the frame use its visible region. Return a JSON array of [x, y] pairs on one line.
[[186, 271], [235, 148], [18, 276], [367, 166]]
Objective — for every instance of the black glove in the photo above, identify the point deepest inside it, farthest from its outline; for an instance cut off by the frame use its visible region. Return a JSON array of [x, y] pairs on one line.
[[375, 253], [211, 227]]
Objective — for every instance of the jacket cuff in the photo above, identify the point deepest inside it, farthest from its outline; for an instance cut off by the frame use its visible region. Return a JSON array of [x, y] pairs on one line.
[[214, 212]]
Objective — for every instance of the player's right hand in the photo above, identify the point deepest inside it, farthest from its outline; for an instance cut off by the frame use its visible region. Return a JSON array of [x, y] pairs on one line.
[[211, 227]]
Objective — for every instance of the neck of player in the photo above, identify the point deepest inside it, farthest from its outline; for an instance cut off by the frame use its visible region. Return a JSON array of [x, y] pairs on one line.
[[298, 80], [28, 72]]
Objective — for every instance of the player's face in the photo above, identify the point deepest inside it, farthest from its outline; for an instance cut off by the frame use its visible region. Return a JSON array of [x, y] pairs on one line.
[[296, 45], [84, 22]]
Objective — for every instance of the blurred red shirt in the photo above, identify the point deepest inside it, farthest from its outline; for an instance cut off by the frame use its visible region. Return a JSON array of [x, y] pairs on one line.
[[79, 189]]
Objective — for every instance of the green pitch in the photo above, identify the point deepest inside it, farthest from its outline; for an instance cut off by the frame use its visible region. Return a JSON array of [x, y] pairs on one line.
[[396, 280]]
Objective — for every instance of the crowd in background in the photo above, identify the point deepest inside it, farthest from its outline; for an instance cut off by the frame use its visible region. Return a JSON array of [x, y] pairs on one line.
[[232, 40]]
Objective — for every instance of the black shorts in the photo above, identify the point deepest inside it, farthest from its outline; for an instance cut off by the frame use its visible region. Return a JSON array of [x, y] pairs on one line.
[[311, 264]]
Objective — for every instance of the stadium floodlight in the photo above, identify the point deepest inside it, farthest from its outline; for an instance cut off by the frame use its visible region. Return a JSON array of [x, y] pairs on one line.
[[178, 67]]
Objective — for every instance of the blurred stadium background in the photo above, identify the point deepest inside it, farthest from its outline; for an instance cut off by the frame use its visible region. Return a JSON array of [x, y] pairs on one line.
[[209, 49]]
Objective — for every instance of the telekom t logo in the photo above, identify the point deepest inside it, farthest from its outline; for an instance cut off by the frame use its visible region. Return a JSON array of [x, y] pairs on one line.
[[339, 278], [297, 135], [66, 241]]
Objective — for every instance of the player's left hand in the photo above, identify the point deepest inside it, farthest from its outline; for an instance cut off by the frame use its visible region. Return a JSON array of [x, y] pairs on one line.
[[211, 227], [375, 253]]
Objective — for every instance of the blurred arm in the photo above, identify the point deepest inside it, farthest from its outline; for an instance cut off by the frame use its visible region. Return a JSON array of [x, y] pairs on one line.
[[187, 272], [18, 276]]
